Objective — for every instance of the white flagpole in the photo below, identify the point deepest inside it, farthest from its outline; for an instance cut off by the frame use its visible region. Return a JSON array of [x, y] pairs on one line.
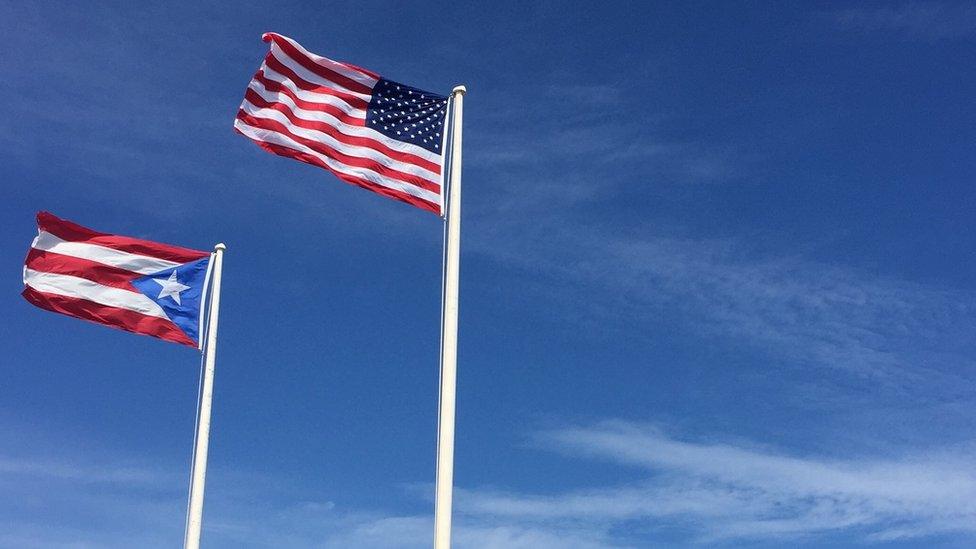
[[194, 521], [449, 327]]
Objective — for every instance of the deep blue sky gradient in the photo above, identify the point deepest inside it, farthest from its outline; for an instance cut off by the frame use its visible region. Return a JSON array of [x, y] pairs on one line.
[[718, 281]]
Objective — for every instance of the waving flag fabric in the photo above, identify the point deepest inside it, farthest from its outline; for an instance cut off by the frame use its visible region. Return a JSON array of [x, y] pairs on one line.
[[127, 283], [369, 131]]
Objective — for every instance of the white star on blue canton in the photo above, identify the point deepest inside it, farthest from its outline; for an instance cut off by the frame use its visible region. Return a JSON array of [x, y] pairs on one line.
[[170, 287]]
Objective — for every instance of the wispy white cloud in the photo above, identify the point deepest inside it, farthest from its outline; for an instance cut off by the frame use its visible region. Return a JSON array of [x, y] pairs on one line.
[[113, 504], [721, 491], [530, 215], [679, 492], [803, 311], [534, 198], [586, 130], [87, 505], [799, 310], [409, 532], [118, 474], [917, 20]]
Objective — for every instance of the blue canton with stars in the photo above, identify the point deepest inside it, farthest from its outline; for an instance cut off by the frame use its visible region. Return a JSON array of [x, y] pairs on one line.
[[407, 114]]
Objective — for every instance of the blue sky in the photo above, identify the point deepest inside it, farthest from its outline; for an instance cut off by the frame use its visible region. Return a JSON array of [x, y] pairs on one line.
[[718, 286]]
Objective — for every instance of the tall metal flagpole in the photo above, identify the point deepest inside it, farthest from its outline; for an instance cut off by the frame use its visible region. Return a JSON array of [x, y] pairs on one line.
[[194, 520], [449, 327]]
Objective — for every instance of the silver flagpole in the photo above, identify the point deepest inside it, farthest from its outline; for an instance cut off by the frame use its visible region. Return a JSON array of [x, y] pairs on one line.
[[194, 521], [449, 327]]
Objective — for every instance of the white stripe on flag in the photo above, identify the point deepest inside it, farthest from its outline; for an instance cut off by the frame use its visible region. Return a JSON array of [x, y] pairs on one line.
[[332, 143], [124, 260], [311, 97], [310, 76], [348, 129], [334, 66], [72, 286], [270, 136]]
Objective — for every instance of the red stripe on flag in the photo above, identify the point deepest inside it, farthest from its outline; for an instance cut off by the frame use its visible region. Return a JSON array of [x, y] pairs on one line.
[[255, 99], [314, 67], [320, 147], [66, 230], [276, 87], [122, 319], [272, 86], [50, 262], [353, 101], [367, 72], [378, 189]]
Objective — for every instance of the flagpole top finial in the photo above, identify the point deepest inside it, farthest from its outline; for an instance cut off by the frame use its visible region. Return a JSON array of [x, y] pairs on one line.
[[459, 89], [220, 247]]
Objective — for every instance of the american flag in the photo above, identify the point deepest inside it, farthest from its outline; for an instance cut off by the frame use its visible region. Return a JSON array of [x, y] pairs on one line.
[[128, 283], [369, 131]]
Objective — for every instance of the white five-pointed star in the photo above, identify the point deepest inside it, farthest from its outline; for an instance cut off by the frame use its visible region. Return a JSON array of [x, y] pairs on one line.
[[170, 287]]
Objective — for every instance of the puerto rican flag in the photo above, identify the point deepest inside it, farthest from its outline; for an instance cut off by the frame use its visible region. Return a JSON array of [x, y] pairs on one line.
[[136, 285]]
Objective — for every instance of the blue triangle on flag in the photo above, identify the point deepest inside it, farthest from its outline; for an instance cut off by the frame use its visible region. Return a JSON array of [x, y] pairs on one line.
[[179, 292]]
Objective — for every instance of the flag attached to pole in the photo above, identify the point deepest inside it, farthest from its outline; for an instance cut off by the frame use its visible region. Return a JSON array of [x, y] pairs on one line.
[[127, 283], [369, 131]]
